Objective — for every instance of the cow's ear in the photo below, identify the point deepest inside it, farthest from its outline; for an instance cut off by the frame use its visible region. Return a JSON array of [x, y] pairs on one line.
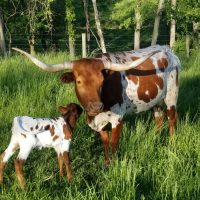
[[63, 109], [67, 77]]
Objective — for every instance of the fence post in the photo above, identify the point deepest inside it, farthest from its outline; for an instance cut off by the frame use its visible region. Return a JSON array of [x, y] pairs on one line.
[[83, 45]]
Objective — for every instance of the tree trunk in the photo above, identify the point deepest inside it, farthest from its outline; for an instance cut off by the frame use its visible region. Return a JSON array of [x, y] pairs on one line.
[[85, 2], [138, 19], [70, 17], [157, 22], [187, 45], [196, 26], [43, 40], [32, 44], [71, 48], [98, 25], [2, 39], [173, 25]]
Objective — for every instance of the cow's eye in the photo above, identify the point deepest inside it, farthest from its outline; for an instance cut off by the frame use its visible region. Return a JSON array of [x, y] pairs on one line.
[[78, 82]]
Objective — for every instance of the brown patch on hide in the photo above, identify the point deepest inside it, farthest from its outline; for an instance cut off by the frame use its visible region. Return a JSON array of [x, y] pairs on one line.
[[52, 130], [47, 127], [171, 113], [162, 64], [55, 137], [15, 147], [112, 90], [67, 132], [145, 75], [23, 135]]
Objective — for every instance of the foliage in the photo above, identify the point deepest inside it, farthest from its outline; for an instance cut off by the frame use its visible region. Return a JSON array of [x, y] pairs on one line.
[[51, 16], [148, 166], [123, 11], [70, 18], [186, 13]]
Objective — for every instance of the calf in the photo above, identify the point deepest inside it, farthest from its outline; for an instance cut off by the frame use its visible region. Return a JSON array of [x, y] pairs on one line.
[[28, 133]]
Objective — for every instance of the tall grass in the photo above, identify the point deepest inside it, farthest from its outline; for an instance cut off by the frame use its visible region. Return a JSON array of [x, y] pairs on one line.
[[148, 166]]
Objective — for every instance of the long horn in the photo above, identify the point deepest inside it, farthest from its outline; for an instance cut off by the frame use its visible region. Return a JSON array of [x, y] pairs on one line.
[[44, 66], [129, 65]]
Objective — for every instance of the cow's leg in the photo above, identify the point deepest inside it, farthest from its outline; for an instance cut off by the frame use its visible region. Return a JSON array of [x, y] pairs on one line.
[[159, 117], [67, 165], [114, 137], [105, 140], [19, 163], [60, 163], [12, 147], [171, 115], [171, 99]]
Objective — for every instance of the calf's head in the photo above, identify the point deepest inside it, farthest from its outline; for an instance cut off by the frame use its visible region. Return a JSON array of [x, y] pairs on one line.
[[71, 113], [87, 74]]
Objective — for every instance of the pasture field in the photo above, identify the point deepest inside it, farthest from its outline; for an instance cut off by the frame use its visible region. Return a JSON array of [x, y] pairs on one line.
[[148, 166]]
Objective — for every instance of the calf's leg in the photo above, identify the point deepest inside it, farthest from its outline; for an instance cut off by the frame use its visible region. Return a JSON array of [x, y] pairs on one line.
[[19, 163], [60, 163], [67, 165], [4, 157]]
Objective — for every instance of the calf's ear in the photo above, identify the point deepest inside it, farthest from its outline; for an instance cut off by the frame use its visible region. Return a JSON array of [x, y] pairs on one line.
[[67, 77], [63, 109]]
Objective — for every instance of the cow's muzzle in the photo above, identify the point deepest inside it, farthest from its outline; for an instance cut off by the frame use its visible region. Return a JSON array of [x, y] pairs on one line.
[[94, 108]]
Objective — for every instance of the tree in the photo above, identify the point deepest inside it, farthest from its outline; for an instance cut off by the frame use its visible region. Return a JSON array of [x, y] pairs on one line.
[[2, 39], [131, 14], [196, 27], [38, 14], [98, 25], [138, 25], [173, 24], [187, 14], [85, 3], [70, 19], [157, 22]]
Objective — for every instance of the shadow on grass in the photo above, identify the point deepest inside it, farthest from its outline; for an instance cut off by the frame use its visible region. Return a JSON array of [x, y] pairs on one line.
[[189, 98]]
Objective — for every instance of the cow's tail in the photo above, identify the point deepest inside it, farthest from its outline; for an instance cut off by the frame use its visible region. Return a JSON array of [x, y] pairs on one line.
[[173, 59]]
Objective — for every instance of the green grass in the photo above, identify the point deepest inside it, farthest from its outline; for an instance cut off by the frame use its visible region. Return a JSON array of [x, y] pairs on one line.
[[148, 166]]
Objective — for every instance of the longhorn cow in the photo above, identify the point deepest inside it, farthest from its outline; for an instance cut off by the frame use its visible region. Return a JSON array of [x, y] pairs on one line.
[[114, 84]]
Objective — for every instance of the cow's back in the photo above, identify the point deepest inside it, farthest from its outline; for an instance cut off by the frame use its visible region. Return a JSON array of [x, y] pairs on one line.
[[147, 84]]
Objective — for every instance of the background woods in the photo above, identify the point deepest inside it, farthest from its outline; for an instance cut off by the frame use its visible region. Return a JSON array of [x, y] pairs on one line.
[[43, 25]]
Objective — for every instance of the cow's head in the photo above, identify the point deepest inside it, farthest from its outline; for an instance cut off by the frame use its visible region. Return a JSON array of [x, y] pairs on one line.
[[88, 76]]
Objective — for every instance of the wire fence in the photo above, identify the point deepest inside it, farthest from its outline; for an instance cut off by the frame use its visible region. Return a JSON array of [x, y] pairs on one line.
[[115, 40], [59, 42]]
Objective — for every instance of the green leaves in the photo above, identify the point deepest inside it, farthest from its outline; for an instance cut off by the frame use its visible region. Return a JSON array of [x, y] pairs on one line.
[[70, 18]]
